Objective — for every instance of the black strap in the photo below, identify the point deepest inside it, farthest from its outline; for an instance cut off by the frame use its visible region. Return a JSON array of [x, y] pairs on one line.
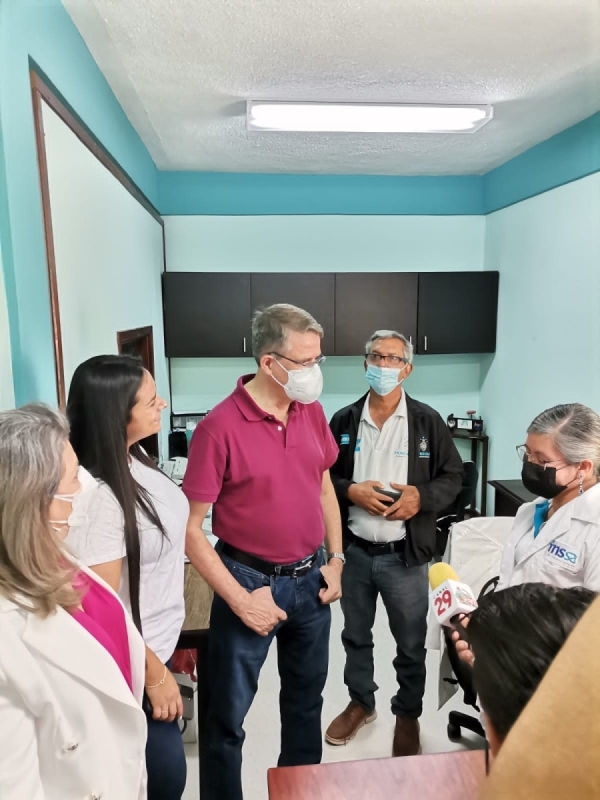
[[268, 568], [375, 549]]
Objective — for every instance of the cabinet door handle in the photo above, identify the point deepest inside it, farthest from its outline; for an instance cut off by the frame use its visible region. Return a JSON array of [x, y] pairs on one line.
[[244, 344], [410, 339], [425, 343]]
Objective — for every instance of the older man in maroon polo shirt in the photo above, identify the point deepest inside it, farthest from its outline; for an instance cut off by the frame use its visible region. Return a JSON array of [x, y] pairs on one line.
[[262, 458]]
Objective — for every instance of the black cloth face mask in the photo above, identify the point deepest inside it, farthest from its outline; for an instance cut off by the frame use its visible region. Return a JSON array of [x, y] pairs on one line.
[[540, 481]]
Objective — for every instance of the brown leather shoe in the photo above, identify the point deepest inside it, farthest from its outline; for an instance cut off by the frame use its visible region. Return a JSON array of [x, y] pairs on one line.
[[345, 726], [407, 741]]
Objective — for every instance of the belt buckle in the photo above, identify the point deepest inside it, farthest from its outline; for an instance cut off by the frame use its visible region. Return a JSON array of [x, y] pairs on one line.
[[301, 570]]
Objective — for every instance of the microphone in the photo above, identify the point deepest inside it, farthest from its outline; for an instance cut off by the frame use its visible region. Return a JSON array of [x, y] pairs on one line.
[[450, 597]]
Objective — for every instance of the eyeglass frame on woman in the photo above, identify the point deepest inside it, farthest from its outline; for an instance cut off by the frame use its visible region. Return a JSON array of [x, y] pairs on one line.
[[305, 364], [522, 454], [377, 358]]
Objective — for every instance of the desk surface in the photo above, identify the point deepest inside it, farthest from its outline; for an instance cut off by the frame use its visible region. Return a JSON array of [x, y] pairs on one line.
[[515, 489], [198, 600], [451, 776]]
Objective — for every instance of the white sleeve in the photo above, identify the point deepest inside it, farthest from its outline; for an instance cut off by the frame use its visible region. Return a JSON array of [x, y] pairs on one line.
[[101, 538], [591, 577], [20, 772]]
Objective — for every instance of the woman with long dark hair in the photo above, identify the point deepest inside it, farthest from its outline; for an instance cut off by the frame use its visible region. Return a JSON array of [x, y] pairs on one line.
[[134, 537]]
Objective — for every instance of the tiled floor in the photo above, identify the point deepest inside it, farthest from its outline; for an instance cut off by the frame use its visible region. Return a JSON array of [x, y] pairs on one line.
[[373, 741]]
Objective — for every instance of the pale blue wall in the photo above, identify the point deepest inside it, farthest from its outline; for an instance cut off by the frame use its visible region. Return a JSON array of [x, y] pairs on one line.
[[451, 384], [41, 30], [324, 243], [335, 244], [547, 250]]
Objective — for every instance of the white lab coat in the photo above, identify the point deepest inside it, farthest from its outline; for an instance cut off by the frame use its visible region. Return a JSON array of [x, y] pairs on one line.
[[70, 728], [565, 553]]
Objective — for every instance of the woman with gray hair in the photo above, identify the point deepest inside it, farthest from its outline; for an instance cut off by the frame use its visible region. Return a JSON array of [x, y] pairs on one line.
[[556, 539], [71, 660]]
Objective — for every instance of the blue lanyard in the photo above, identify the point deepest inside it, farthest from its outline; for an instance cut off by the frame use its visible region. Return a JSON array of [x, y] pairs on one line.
[[540, 516]]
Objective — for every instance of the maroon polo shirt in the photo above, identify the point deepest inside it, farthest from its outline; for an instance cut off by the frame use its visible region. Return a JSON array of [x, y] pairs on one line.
[[263, 477]]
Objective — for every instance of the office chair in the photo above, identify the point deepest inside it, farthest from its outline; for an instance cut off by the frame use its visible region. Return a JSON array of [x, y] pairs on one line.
[[456, 511], [464, 678]]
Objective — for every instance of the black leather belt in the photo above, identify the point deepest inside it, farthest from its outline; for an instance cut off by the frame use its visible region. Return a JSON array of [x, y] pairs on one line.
[[295, 570], [374, 549]]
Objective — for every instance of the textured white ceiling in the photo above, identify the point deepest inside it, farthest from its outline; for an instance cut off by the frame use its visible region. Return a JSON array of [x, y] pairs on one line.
[[182, 70]]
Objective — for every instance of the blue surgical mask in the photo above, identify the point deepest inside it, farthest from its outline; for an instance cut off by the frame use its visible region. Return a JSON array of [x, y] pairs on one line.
[[383, 380]]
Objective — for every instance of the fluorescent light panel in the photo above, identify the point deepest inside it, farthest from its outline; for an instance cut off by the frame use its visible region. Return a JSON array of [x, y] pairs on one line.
[[365, 117]]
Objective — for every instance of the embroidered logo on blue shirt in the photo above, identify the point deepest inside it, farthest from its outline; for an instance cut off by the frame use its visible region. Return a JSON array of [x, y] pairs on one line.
[[345, 438]]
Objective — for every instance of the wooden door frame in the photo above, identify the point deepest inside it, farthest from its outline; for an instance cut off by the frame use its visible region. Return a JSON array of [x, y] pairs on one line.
[[42, 90], [151, 444], [134, 335]]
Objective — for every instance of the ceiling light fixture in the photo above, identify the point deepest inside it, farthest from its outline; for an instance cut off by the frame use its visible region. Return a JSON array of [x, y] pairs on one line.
[[365, 117]]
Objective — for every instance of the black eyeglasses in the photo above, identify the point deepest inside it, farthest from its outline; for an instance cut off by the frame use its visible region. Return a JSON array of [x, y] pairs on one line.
[[392, 361], [314, 363]]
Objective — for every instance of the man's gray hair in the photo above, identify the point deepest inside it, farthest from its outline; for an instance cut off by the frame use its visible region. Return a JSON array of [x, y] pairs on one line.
[[408, 348], [271, 326], [575, 430]]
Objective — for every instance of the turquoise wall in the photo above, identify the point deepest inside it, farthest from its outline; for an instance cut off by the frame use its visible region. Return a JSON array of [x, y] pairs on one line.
[[233, 194], [43, 32], [547, 250]]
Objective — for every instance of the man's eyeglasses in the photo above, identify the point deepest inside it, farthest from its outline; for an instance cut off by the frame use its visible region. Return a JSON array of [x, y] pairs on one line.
[[525, 456], [391, 361], [315, 362]]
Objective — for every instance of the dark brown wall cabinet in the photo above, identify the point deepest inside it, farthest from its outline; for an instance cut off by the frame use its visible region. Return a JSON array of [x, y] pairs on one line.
[[208, 314]]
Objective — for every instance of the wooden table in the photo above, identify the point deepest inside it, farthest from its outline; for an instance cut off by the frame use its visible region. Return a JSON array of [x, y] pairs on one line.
[[443, 776], [194, 636]]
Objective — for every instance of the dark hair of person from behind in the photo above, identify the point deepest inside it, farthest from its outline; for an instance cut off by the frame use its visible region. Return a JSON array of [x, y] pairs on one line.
[[515, 634], [101, 396]]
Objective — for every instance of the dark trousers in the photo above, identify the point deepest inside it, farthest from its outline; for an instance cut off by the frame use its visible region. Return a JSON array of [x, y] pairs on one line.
[[165, 757], [236, 655], [405, 594]]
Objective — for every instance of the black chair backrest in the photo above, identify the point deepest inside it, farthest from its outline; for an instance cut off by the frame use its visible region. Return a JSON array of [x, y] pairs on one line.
[[466, 496]]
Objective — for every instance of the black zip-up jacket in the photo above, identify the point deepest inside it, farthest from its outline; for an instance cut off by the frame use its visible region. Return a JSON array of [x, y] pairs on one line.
[[434, 467]]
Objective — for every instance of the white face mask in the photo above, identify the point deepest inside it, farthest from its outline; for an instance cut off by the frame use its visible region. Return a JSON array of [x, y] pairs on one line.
[[79, 501], [304, 385]]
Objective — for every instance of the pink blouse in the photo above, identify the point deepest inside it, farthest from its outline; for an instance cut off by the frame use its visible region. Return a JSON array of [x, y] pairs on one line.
[[104, 618]]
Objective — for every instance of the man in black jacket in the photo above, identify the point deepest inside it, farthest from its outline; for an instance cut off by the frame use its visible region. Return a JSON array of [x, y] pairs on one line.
[[389, 442]]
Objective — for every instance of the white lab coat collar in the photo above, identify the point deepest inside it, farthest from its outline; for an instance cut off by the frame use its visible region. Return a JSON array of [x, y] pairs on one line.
[[58, 640], [583, 507]]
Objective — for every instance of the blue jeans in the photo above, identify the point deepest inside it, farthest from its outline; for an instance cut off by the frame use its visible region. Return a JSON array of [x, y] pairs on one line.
[[236, 655], [165, 757], [405, 594]]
